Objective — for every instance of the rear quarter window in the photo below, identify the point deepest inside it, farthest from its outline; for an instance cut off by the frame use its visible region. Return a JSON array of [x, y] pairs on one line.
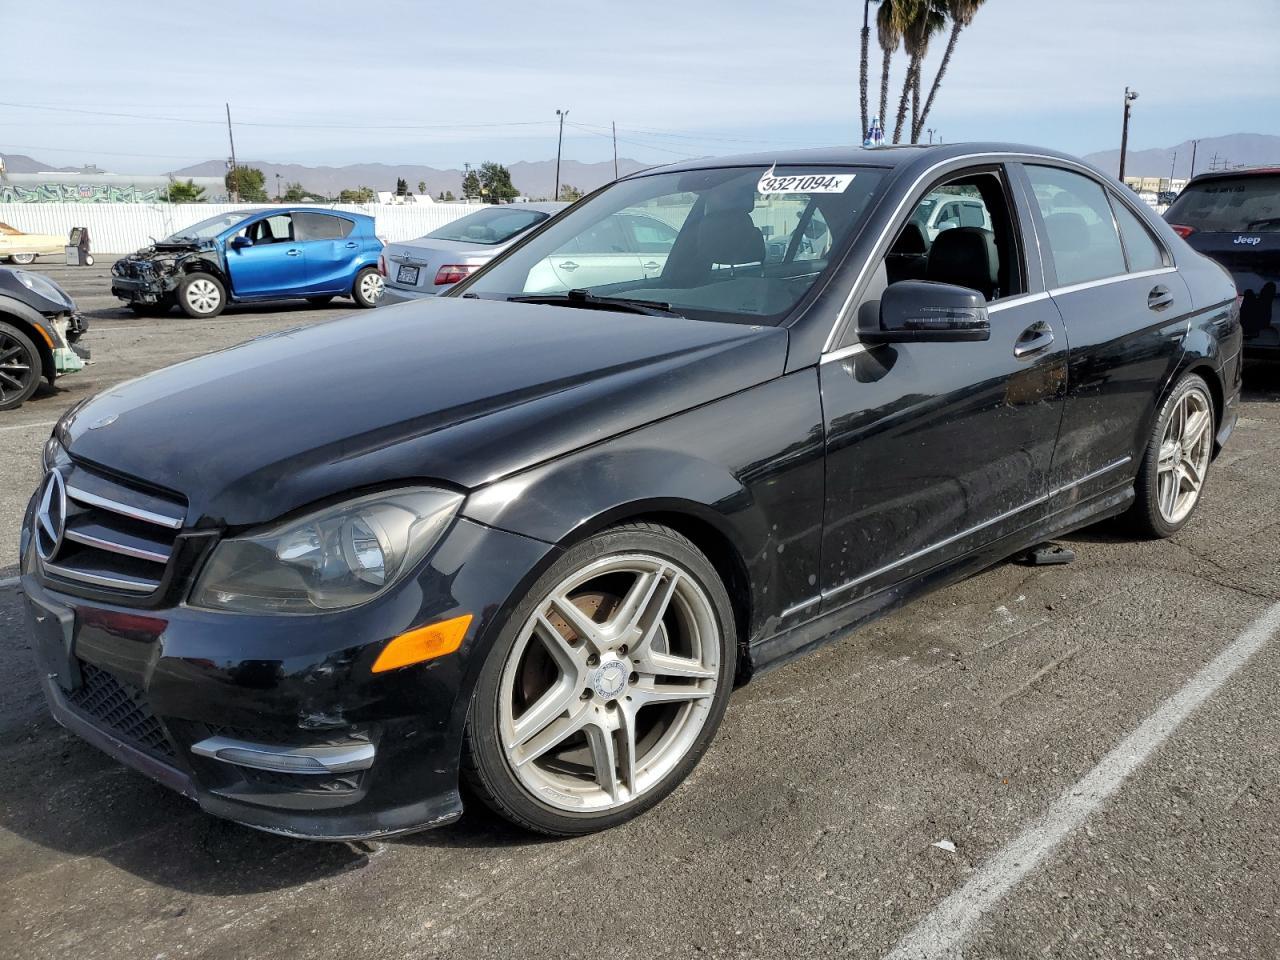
[[1142, 249], [1231, 205]]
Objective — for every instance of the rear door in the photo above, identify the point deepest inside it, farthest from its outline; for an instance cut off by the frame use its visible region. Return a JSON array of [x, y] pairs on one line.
[[1236, 221], [1125, 310], [273, 265], [329, 249]]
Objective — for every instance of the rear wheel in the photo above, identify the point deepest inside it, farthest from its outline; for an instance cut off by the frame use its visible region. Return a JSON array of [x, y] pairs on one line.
[[20, 367], [201, 295], [22, 258], [606, 685], [367, 289], [1175, 463]]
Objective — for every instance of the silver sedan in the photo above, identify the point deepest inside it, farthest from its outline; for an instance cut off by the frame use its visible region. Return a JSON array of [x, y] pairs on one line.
[[432, 264]]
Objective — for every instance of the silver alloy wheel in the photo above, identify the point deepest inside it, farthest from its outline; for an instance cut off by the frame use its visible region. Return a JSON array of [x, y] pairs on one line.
[[1185, 449], [203, 295], [23, 257], [15, 367], [609, 682], [371, 285]]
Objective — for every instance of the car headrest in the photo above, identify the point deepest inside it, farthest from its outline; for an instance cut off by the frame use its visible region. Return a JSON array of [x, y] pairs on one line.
[[1068, 232], [910, 241], [966, 257], [731, 238]]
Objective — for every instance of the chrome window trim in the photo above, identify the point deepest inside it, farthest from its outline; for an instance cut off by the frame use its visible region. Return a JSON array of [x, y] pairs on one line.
[[924, 551], [906, 196], [1105, 281], [124, 509], [1018, 301], [853, 350]]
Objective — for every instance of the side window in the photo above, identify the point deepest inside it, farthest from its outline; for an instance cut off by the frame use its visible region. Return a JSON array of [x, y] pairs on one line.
[[650, 235], [1079, 227], [1142, 250], [607, 236], [321, 226], [277, 228], [961, 232], [815, 244]]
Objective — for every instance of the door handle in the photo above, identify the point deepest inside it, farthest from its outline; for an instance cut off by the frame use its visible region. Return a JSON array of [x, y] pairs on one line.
[[651, 265], [1035, 339], [1159, 298], [292, 253], [352, 245], [569, 265]]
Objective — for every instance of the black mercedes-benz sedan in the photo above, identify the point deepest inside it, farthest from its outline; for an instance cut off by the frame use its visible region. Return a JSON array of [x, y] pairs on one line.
[[526, 538]]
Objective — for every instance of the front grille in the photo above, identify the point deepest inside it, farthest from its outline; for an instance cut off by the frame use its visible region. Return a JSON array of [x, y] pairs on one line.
[[116, 538], [122, 709]]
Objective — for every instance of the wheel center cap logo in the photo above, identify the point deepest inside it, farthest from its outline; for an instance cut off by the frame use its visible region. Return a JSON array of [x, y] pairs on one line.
[[51, 516], [610, 679]]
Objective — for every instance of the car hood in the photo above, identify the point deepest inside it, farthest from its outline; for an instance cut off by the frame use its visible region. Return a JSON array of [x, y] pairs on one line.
[[459, 391]]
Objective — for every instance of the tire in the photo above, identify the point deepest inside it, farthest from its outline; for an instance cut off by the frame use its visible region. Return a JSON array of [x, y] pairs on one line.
[[201, 295], [1175, 463], [20, 367], [367, 289], [23, 258], [319, 301], [544, 687]]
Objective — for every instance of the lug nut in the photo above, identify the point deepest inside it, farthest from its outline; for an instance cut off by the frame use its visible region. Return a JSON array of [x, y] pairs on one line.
[[593, 661]]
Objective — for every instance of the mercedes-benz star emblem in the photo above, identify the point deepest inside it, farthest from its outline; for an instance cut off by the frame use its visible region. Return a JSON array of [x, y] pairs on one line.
[[51, 516]]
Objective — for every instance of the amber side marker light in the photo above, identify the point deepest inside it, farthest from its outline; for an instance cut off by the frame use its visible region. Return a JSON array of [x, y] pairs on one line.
[[425, 643]]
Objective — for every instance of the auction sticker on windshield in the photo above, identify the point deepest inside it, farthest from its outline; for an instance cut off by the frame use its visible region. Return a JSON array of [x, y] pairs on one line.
[[805, 183]]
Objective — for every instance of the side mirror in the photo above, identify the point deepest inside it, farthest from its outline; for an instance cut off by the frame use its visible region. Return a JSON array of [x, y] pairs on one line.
[[239, 242], [919, 311]]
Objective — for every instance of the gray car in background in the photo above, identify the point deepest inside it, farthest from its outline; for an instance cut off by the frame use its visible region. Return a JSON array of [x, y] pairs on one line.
[[432, 264]]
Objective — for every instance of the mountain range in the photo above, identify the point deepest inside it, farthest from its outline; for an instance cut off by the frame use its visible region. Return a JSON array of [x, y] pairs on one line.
[[537, 178]]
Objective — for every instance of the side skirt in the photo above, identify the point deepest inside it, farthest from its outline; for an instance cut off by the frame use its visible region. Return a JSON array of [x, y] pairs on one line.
[[783, 647]]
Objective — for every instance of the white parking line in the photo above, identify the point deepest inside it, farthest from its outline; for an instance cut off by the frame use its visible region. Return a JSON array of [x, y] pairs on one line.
[[28, 426], [944, 931]]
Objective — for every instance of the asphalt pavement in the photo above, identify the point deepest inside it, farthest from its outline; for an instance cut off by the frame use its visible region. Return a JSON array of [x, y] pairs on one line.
[[1077, 761]]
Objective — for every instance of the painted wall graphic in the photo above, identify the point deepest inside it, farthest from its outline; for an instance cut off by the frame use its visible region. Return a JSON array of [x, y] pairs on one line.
[[77, 193]]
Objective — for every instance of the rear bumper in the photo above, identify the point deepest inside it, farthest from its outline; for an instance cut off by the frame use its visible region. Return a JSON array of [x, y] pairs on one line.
[[392, 295]]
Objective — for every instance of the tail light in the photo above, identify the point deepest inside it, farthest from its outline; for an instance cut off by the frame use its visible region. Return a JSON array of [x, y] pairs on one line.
[[1182, 230], [455, 272], [382, 265]]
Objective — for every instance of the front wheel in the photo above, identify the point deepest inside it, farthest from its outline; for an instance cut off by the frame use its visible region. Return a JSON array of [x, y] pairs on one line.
[[22, 258], [605, 686], [1175, 463], [201, 295], [20, 367], [367, 289]]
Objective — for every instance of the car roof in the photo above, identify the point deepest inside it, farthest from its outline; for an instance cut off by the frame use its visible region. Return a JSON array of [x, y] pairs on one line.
[[901, 155], [1231, 174], [303, 208]]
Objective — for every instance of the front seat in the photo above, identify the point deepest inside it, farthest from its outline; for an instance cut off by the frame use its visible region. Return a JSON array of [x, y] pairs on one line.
[[730, 238], [966, 257]]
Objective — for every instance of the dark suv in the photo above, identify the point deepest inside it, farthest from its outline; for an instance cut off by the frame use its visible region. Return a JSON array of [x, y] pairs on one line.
[[1234, 217]]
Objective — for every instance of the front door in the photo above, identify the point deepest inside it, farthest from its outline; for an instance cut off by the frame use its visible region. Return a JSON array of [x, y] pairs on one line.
[[274, 264], [934, 449]]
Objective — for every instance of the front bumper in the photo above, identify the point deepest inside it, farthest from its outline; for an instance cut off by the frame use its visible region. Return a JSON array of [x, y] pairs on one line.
[[162, 689], [140, 290]]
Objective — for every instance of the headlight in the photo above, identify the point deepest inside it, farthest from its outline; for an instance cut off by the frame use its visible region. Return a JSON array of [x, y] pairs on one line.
[[39, 285], [335, 558]]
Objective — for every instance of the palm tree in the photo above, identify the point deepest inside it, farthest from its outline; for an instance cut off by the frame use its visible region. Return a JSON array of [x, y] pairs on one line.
[[890, 19], [924, 18], [962, 13], [862, 66]]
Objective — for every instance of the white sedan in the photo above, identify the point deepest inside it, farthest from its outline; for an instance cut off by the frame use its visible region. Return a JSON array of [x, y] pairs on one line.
[[21, 247]]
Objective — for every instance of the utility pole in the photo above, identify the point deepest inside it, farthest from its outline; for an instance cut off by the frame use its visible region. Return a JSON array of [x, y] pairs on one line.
[[277, 188], [1129, 97], [615, 149], [235, 179], [1194, 144], [931, 132], [1173, 168], [559, 145]]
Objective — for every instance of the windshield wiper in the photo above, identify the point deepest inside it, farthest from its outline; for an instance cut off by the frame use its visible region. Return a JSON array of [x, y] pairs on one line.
[[1258, 223], [585, 298]]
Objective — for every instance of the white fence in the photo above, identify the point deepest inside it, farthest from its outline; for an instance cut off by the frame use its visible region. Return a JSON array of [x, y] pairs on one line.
[[124, 227]]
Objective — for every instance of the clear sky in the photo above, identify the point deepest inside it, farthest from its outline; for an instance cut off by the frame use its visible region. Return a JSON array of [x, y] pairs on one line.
[[442, 83]]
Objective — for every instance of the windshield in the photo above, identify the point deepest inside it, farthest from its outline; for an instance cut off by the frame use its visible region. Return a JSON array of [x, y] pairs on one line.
[[207, 229], [488, 227], [733, 243], [1230, 205]]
